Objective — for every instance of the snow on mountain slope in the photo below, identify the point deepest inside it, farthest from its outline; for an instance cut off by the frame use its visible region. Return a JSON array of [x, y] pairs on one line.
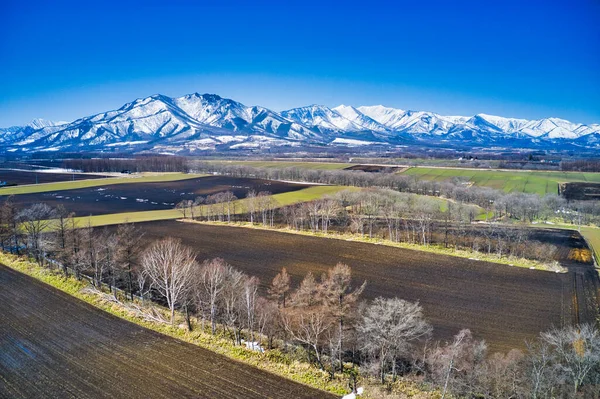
[[200, 122], [213, 110], [508, 125], [322, 118], [358, 118], [24, 135], [389, 117], [40, 123]]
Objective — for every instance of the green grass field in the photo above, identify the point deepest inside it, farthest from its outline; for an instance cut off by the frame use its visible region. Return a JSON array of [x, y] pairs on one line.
[[592, 236], [293, 197], [286, 164], [72, 185], [534, 182]]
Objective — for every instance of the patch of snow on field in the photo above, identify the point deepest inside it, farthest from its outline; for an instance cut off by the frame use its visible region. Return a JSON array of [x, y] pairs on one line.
[[228, 139], [308, 183], [55, 170], [352, 142], [245, 145]]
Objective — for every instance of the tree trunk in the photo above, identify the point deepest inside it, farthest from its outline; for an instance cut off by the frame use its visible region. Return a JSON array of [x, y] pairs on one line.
[[187, 318]]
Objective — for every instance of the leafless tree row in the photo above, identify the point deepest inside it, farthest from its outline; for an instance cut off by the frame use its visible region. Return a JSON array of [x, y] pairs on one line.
[[518, 206], [53, 235], [383, 213], [135, 164], [259, 207]]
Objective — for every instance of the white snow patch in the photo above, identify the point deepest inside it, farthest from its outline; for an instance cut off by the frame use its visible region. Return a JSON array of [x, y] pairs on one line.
[[351, 142]]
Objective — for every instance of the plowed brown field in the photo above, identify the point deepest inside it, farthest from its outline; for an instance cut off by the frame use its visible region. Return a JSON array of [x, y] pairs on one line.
[[55, 346], [18, 177]]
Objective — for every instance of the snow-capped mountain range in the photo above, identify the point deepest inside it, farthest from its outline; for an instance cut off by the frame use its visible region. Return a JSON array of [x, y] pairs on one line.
[[202, 122]]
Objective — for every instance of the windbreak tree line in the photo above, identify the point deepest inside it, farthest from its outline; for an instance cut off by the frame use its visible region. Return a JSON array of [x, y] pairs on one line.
[[132, 164], [382, 213], [520, 206]]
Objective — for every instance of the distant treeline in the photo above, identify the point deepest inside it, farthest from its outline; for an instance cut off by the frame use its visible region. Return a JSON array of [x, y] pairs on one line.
[[135, 164], [587, 165]]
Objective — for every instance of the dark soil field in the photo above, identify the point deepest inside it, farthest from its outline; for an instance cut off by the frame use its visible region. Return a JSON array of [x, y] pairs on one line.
[[55, 346], [502, 304], [10, 177], [374, 168], [581, 191], [133, 197]]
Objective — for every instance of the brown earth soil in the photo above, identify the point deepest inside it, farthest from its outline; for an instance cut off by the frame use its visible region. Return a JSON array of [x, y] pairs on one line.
[[17, 177], [55, 346], [502, 304], [580, 191], [373, 168], [132, 197]]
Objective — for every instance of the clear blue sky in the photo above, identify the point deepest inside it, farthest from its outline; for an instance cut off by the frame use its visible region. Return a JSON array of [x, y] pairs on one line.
[[63, 60]]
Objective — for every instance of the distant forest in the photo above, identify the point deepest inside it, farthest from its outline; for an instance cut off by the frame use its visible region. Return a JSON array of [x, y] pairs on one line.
[[134, 164]]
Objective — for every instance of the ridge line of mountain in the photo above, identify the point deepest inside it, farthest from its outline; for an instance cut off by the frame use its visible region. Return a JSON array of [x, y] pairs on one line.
[[202, 122]]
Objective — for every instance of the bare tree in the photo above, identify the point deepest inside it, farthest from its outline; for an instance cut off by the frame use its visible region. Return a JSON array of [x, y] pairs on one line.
[[388, 327], [184, 207], [250, 300], [280, 287], [128, 251], [308, 326], [197, 205], [251, 204], [36, 222], [329, 208], [340, 298], [267, 319], [108, 258], [229, 199], [454, 365], [9, 228], [308, 293], [170, 266], [211, 283], [576, 352], [233, 301], [63, 233]]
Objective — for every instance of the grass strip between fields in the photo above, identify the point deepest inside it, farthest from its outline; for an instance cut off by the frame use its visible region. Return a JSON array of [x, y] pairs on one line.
[[273, 361], [436, 249], [73, 185], [592, 236], [283, 199]]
